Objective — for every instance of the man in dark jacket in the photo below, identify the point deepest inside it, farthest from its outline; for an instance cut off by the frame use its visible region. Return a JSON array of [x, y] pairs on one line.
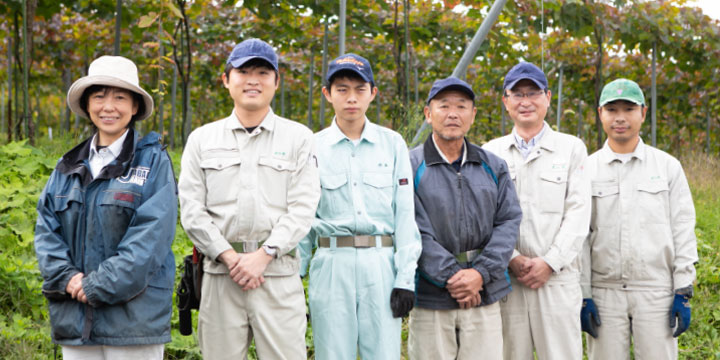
[[468, 215]]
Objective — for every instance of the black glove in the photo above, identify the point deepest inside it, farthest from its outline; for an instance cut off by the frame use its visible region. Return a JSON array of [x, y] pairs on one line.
[[401, 302], [589, 317]]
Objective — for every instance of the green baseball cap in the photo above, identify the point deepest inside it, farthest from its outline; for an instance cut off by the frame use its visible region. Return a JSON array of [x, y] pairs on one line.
[[622, 89]]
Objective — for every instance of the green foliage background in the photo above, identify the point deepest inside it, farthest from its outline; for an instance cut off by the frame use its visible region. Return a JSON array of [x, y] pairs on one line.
[[24, 325]]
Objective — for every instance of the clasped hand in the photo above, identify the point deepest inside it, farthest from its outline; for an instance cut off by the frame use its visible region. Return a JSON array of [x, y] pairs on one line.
[[246, 269], [531, 272], [465, 288], [74, 288]]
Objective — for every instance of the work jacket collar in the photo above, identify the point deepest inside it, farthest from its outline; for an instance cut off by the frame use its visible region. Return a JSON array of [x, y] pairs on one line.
[[546, 141], [369, 133], [432, 156], [607, 155], [268, 123]]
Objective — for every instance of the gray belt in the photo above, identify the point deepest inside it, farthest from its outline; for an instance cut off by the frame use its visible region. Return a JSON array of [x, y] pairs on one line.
[[358, 241], [247, 246], [467, 256]]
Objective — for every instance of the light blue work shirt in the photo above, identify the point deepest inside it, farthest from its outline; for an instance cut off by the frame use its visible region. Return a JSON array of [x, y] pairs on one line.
[[367, 189], [526, 147]]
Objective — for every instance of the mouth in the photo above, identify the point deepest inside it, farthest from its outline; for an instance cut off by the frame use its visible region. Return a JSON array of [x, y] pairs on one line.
[[352, 109], [109, 119], [252, 91], [620, 129]]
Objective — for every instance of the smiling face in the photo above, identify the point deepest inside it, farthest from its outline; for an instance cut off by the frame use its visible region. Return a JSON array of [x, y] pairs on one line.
[[621, 121], [111, 110], [529, 110], [350, 98], [251, 87], [450, 113]]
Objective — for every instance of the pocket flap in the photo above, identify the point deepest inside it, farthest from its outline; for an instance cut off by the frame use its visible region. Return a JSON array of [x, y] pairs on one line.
[[653, 187], [219, 163], [277, 164], [605, 189], [62, 202], [378, 180], [332, 182], [552, 176]]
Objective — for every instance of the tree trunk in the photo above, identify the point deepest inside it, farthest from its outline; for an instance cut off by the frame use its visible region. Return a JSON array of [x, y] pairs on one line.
[[27, 115], [173, 101], [118, 25], [598, 83], [341, 36], [397, 50], [322, 75], [559, 99], [9, 109], [282, 94], [653, 97], [406, 20], [17, 129], [310, 90], [161, 90]]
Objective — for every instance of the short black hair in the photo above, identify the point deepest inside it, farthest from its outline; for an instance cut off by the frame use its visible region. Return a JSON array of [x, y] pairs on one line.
[[345, 74], [92, 89], [256, 62]]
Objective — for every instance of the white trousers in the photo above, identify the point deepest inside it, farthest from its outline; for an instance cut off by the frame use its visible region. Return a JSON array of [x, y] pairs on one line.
[[456, 334], [643, 316], [273, 314], [545, 319], [105, 352]]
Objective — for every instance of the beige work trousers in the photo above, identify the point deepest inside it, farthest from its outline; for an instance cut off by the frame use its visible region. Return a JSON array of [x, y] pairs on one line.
[[546, 319], [456, 334], [274, 314], [642, 315]]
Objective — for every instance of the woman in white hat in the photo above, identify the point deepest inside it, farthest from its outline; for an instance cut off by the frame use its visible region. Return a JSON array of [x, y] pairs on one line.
[[106, 221]]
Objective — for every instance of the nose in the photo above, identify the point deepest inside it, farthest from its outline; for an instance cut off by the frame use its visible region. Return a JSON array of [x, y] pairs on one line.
[[108, 105]]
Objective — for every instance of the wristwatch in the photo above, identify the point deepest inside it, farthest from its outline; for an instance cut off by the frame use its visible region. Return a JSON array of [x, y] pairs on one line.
[[270, 250]]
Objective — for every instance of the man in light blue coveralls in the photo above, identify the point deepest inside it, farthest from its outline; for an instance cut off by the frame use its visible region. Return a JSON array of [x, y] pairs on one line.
[[362, 273]]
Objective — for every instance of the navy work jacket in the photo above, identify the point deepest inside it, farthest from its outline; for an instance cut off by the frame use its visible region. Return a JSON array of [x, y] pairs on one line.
[[117, 229], [475, 208]]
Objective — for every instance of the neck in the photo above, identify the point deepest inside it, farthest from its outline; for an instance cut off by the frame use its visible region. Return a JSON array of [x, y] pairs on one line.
[[623, 147], [251, 118], [452, 149], [107, 140], [528, 131], [352, 129]]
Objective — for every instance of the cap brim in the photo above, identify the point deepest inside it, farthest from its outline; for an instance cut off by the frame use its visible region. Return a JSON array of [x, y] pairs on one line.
[[78, 87], [362, 76], [456, 87], [241, 61], [512, 84], [609, 100]]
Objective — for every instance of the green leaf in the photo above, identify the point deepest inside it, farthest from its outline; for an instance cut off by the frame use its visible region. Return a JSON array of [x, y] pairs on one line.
[[147, 20]]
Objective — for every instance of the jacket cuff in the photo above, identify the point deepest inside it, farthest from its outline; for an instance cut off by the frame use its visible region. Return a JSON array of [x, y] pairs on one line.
[[555, 264], [216, 248], [484, 273], [586, 291], [90, 293]]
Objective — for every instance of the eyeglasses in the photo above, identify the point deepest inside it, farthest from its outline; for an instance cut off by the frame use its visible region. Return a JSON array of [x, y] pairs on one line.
[[532, 95]]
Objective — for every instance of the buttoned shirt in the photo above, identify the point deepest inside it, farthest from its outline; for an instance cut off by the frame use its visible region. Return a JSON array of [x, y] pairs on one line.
[[526, 147], [643, 223], [98, 159], [237, 186], [367, 189], [554, 194]]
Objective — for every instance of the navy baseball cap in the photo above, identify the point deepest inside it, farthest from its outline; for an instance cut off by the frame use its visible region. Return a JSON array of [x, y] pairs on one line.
[[252, 49], [522, 71], [354, 63], [450, 83]]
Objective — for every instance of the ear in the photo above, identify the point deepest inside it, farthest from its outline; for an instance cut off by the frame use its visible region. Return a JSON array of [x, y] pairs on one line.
[[225, 80], [426, 111], [644, 110], [505, 100], [135, 108], [326, 92], [549, 97], [373, 93]]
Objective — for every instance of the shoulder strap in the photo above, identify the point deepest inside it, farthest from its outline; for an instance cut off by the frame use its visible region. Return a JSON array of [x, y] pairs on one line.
[[418, 174]]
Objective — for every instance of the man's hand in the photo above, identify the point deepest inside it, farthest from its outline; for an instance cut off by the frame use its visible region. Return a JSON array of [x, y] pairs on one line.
[[249, 269], [470, 301], [464, 284], [537, 273], [517, 265]]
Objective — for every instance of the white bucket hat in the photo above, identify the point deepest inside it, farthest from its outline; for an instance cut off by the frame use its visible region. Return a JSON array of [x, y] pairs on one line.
[[115, 71]]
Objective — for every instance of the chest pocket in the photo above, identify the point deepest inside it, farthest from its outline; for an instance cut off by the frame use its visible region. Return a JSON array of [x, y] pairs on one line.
[[334, 195], [378, 194], [68, 208], [552, 191], [273, 177], [605, 201], [653, 199], [116, 212], [222, 169]]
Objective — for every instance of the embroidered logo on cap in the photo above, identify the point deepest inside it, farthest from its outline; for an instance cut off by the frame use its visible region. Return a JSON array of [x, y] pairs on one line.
[[137, 175], [349, 60]]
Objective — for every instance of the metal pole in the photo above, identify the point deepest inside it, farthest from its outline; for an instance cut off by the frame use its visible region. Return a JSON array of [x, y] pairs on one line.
[[559, 102], [26, 104], [580, 118], [709, 128], [310, 90], [282, 94], [472, 49], [417, 95], [173, 103], [406, 5], [8, 121], [118, 21], [322, 74], [502, 118], [341, 37], [653, 99]]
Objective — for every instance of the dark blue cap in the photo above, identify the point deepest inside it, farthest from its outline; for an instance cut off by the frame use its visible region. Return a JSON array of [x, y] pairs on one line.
[[450, 83], [525, 70], [354, 63], [252, 49]]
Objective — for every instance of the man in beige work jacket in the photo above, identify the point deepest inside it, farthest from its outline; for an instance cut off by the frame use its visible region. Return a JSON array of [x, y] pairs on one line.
[[546, 166], [638, 262], [248, 192]]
